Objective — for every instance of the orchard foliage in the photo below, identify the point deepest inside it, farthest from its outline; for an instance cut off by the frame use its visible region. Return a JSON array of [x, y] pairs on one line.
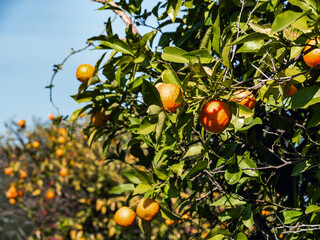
[[268, 157]]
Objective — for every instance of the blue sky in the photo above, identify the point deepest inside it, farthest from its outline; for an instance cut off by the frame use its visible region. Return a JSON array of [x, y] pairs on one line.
[[35, 35]]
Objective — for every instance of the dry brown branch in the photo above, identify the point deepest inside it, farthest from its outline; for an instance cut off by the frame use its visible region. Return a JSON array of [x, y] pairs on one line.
[[127, 20]]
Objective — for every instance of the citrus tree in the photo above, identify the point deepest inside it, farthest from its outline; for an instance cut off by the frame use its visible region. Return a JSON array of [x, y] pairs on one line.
[[219, 102]]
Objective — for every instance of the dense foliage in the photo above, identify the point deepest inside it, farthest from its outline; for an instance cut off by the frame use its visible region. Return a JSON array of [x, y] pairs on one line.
[[259, 178]]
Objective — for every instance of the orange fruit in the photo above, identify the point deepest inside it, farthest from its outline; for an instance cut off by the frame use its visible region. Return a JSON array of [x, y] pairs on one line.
[[12, 201], [23, 174], [61, 139], [125, 217], [12, 192], [50, 194], [281, 235], [21, 123], [185, 217], [265, 213], [35, 144], [215, 116], [8, 171], [312, 58], [99, 118], [292, 90], [85, 72], [169, 94], [62, 131], [244, 97], [21, 192], [148, 209], [59, 152], [64, 172], [169, 222], [51, 116]]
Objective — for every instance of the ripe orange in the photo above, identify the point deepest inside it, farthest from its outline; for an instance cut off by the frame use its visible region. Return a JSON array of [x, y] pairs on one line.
[[312, 58], [23, 174], [35, 144], [244, 97], [125, 217], [281, 235], [8, 171], [61, 139], [292, 90], [12, 192], [21, 123], [64, 172], [12, 201], [21, 192], [99, 118], [265, 213], [148, 209], [59, 152], [215, 116], [169, 94], [50, 194], [51, 116], [85, 72], [169, 222], [62, 131]]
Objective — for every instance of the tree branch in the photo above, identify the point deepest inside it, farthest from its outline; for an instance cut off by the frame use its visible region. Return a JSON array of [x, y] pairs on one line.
[[127, 20]]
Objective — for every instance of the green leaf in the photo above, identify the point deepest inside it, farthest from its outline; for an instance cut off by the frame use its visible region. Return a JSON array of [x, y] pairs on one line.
[[174, 54], [122, 188], [193, 150], [150, 94], [177, 168], [304, 98], [285, 19], [118, 46], [173, 9], [312, 209], [131, 175], [315, 116], [142, 188], [256, 121], [167, 214], [290, 216], [232, 175], [225, 55], [147, 126], [170, 76], [196, 168], [247, 217], [229, 200], [250, 37], [244, 162], [202, 54], [241, 236], [251, 47], [162, 117], [154, 110]]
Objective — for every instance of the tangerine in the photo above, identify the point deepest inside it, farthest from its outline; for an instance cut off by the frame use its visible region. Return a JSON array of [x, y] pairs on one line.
[[125, 217], [85, 72], [312, 58], [21, 123], [169, 94], [169, 222], [21, 192], [215, 116], [148, 209], [23, 174], [51, 116], [64, 172], [244, 97], [8, 171], [292, 90], [35, 144], [62, 131], [12, 201], [61, 139], [265, 213], [12, 192], [59, 152], [99, 118], [50, 194]]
